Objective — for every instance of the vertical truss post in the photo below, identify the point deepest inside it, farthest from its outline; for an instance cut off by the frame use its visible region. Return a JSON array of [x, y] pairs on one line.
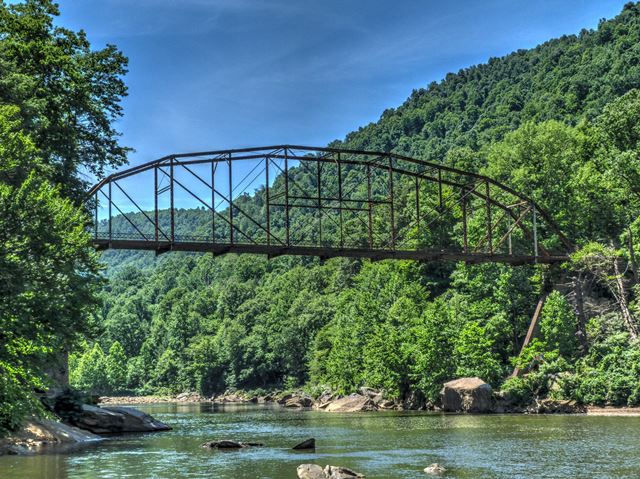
[[110, 220], [509, 237], [95, 233], [266, 200], [464, 220], [391, 194], [440, 202], [535, 233], [173, 210], [489, 225], [230, 199], [369, 203], [286, 194], [214, 167], [318, 178], [418, 206], [155, 203], [340, 200]]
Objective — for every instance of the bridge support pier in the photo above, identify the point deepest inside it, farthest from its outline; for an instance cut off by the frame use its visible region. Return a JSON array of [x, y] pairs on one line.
[[534, 327]]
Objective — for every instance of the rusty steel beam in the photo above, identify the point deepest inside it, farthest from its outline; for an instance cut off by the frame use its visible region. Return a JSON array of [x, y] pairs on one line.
[[356, 193], [374, 254]]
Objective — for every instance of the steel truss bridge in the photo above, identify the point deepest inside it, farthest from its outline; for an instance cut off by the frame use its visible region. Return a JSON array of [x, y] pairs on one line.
[[323, 202]]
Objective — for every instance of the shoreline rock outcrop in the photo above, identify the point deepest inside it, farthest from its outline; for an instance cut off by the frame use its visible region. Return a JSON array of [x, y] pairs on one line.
[[36, 433], [352, 403], [471, 395], [113, 420]]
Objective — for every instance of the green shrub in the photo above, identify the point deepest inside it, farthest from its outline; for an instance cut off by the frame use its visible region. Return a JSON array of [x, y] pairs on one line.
[[518, 390], [592, 388]]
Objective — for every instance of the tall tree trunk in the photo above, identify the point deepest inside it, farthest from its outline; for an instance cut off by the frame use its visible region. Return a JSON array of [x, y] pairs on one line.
[[632, 256], [620, 294], [582, 320]]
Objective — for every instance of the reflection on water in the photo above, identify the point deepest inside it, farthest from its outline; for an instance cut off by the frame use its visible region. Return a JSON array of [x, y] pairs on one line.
[[381, 445]]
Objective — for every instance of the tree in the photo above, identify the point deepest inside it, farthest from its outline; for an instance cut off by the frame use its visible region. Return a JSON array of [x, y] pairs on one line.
[[48, 271], [68, 94], [604, 263], [474, 354], [90, 373], [116, 368], [558, 325]]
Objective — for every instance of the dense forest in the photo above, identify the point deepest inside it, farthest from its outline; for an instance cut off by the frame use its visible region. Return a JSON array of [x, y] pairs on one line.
[[560, 121]]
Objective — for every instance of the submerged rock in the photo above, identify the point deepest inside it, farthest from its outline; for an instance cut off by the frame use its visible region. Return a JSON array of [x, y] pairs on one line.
[[305, 445], [229, 444], [352, 403], [435, 469], [467, 395], [110, 420]]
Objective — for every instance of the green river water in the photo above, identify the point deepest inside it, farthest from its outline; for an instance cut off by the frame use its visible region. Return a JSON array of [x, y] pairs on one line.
[[380, 445]]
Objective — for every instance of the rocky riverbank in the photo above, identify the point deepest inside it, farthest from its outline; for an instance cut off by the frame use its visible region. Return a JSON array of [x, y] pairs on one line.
[[464, 395], [38, 433], [77, 424]]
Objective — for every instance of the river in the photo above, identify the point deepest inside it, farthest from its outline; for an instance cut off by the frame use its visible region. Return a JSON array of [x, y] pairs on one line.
[[380, 445]]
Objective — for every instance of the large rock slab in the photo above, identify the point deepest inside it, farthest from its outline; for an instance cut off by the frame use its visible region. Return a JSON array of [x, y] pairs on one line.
[[352, 403], [467, 395], [113, 420], [36, 433]]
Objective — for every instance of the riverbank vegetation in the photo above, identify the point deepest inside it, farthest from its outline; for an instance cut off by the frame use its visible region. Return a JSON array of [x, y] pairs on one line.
[[560, 122]]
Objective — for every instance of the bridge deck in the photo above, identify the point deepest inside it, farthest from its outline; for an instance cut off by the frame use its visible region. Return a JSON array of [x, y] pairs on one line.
[[326, 253]]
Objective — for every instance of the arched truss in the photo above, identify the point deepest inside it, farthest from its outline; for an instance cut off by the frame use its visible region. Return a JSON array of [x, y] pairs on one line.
[[323, 202]]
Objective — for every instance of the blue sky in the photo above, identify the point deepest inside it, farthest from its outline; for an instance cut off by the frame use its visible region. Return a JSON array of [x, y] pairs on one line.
[[215, 74]]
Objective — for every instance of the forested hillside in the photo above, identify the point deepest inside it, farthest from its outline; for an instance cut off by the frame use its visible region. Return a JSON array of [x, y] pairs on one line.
[[561, 121]]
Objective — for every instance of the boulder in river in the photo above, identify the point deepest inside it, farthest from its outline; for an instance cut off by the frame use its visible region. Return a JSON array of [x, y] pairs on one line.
[[299, 402], [352, 403], [339, 472], [467, 395], [229, 444], [435, 469], [310, 471], [110, 420], [313, 471], [305, 445]]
